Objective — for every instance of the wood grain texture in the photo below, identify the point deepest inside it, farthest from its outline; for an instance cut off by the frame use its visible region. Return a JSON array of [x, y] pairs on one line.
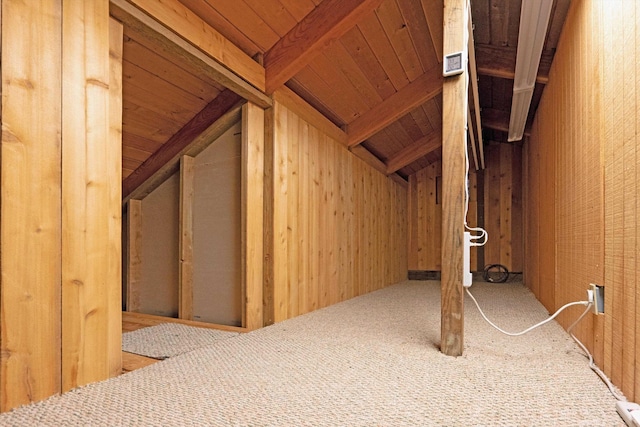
[[114, 166], [155, 34], [454, 111], [585, 137], [30, 203], [188, 25], [91, 172], [402, 102], [335, 229], [324, 24], [185, 243], [253, 142], [413, 152]]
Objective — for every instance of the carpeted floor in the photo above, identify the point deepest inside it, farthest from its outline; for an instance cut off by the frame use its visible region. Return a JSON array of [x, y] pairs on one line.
[[170, 339], [370, 361]]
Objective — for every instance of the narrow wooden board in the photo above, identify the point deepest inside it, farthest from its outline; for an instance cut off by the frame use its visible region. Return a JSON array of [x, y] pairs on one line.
[[253, 148], [30, 203], [185, 243]]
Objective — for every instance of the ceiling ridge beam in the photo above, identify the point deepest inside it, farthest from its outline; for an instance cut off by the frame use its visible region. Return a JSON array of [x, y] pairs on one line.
[[414, 151], [397, 105], [326, 23], [213, 120]]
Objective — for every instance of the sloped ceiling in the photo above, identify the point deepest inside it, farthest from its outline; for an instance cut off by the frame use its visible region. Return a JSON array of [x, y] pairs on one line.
[[373, 70]]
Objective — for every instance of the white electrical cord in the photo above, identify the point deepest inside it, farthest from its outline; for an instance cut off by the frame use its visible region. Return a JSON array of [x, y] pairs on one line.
[[592, 365], [515, 334]]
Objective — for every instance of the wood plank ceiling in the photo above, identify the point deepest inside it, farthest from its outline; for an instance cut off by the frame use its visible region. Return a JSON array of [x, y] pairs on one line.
[[380, 80]]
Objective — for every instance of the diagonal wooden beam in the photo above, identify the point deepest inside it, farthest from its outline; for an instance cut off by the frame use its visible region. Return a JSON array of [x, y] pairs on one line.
[[326, 23], [413, 152], [397, 105], [178, 30], [168, 156], [494, 61]]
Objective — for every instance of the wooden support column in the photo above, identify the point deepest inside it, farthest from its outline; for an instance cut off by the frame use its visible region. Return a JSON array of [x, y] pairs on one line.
[[253, 137], [91, 196], [134, 254], [30, 203], [454, 110], [185, 267]]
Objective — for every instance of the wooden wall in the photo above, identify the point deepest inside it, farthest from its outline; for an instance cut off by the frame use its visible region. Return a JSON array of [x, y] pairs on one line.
[[337, 227], [503, 206], [585, 136], [495, 202], [60, 198]]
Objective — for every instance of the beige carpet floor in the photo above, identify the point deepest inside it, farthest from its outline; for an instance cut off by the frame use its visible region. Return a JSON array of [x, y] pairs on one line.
[[170, 339], [370, 361]]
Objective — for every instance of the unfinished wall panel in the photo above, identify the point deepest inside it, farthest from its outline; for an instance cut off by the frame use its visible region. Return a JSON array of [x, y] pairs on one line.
[[217, 250], [30, 202], [585, 135], [339, 226], [158, 290]]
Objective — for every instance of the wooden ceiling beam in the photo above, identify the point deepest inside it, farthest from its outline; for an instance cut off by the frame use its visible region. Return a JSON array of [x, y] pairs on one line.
[[500, 62], [326, 23], [397, 105], [176, 29], [414, 151], [498, 120], [196, 135]]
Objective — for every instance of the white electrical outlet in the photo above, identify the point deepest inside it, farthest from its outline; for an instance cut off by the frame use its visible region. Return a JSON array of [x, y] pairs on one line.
[[598, 298]]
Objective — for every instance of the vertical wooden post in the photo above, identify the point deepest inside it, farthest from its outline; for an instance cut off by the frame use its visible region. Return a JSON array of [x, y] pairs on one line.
[[114, 173], [134, 254], [454, 110], [253, 137], [185, 275], [30, 202], [91, 198]]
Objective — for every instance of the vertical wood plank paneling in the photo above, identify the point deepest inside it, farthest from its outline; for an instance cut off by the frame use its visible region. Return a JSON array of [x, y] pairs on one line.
[[344, 223], [252, 187], [304, 187], [293, 171], [413, 223], [630, 209], [506, 194], [269, 245], [87, 188], [516, 210], [30, 190], [114, 165], [492, 205], [280, 214], [185, 264], [315, 200], [585, 137], [636, 54]]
